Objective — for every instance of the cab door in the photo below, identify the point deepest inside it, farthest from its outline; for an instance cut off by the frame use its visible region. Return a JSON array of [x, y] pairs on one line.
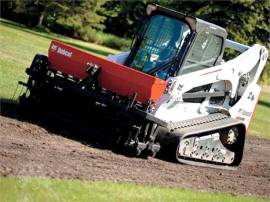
[[204, 53]]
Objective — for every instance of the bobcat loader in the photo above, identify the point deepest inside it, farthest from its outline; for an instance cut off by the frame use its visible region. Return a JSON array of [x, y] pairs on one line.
[[172, 93]]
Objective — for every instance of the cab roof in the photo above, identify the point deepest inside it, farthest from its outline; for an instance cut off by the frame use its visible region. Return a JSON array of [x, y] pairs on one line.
[[195, 24]]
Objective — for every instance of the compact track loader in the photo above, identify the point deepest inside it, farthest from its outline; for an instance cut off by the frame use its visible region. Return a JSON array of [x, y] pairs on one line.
[[172, 93]]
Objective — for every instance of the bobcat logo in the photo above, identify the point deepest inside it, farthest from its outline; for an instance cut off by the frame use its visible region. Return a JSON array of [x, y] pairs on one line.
[[61, 51]]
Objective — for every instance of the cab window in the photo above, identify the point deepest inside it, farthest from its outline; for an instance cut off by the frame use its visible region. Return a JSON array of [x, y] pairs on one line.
[[163, 38], [203, 54]]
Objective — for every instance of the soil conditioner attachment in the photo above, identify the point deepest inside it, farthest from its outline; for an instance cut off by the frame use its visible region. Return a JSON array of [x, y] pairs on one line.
[[171, 94]]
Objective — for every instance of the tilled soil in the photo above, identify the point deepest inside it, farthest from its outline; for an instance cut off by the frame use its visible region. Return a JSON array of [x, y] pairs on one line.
[[27, 149]]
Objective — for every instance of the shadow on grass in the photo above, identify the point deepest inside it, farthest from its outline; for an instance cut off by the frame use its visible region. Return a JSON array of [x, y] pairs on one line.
[[44, 33], [264, 103]]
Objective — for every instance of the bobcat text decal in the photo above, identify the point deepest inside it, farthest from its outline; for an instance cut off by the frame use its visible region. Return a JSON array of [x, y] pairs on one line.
[[61, 51]]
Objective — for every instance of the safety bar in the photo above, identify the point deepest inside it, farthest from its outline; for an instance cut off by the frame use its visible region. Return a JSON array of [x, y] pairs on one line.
[[236, 46]]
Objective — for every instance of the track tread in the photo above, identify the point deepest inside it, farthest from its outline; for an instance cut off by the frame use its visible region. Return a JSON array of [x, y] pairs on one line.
[[197, 121]]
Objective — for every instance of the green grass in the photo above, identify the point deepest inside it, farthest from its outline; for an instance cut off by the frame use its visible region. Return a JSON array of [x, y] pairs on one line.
[[260, 125], [36, 189], [18, 47]]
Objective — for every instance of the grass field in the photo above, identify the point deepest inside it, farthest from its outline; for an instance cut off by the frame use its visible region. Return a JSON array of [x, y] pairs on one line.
[[33, 189], [18, 47], [261, 121]]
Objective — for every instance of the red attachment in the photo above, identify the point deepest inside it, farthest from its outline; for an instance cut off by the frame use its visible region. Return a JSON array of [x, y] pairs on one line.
[[113, 76]]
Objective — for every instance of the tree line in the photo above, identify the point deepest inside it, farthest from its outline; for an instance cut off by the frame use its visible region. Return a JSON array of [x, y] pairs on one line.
[[247, 21]]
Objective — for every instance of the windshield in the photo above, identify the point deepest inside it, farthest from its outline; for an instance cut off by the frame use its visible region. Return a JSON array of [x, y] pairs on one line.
[[162, 39]]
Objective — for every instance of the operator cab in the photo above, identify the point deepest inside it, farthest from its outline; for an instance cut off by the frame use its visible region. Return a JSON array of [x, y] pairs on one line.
[[170, 43]]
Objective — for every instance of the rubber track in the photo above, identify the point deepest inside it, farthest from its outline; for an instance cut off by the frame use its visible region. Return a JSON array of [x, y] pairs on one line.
[[197, 121]]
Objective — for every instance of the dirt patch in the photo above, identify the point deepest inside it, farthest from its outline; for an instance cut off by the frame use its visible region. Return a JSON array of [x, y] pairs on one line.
[[27, 149]]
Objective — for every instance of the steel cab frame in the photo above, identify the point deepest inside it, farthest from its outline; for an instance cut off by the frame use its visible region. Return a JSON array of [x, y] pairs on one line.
[[198, 31]]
